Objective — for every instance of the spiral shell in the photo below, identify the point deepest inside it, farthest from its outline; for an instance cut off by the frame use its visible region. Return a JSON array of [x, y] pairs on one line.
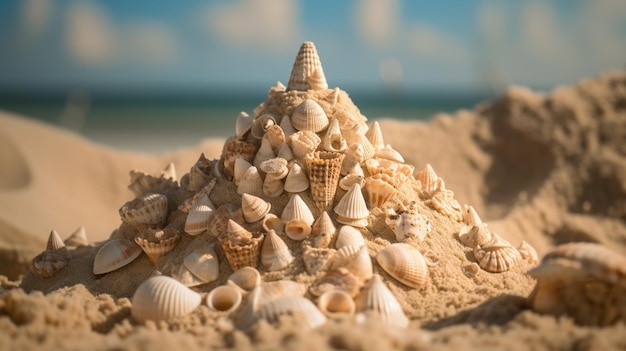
[[261, 124], [307, 72], [405, 263], [272, 222], [243, 124], [333, 140], [115, 254], [309, 116], [161, 298], [47, 263], [254, 208]]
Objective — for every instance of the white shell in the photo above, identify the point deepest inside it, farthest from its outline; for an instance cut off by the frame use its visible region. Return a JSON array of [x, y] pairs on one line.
[[54, 241], [349, 236], [405, 263], [336, 303], [203, 263], [333, 140], [296, 180], [353, 158], [275, 137], [254, 208], [199, 215], [470, 217], [246, 279], [275, 253], [496, 256], [251, 183], [309, 116], [77, 238], [377, 299], [307, 72], [272, 222], [160, 298], [355, 259], [296, 208], [264, 153], [285, 151], [291, 305], [349, 180], [375, 136], [389, 153], [304, 142], [276, 167], [225, 298], [286, 126], [115, 254], [407, 224], [323, 231], [243, 124], [273, 186], [352, 209], [241, 165], [378, 191], [297, 229]]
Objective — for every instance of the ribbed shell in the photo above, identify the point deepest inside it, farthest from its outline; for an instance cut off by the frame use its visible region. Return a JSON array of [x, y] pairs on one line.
[[333, 139], [352, 209], [405, 263], [155, 250], [349, 236], [251, 183], [429, 181], [77, 238], [161, 298], [264, 153], [275, 253], [296, 208], [242, 254], [276, 167], [296, 181], [496, 256], [355, 259], [203, 263], [378, 191], [324, 170], [304, 73], [47, 263], [309, 116], [304, 142], [199, 215], [377, 299], [224, 298], [323, 231], [234, 149], [336, 303], [54, 241], [375, 135], [254, 208], [115, 254], [149, 209], [243, 124], [291, 305]]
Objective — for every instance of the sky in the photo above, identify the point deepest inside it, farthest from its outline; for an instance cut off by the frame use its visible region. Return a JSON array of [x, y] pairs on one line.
[[245, 45]]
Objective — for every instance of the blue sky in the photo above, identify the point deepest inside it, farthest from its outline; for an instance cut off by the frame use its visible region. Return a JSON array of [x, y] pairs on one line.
[[470, 45]]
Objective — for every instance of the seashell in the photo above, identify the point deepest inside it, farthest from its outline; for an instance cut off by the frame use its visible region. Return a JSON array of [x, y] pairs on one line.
[[169, 172], [297, 229], [254, 208], [407, 224], [368, 148], [333, 97], [287, 127], [275, 254], [115, 254], [296, 180], [317, 80], [346, 182], [234, 149], [199, 215], [496, 256], [225, 298], [375, 136], [285, 151], [280, 288], [272, 186], [279, 87], [77, 238], [304, 142], [47, 263], [203, 263], [142, 183], [324, 170], [304, 67], [333, 141], [378, 191], [54, 241], [444, 202], [323, 231], [405, 263], [246, 279], [471, 269], [298, 306], [145, 211], [355, 259], [528, 253], [376, 299], [264, 153], [276, 167], [243, 124], [199, 174], [185, 277], [261, 124], [352, 209], [275, 137], [218, 222], [388, 153], [336, 303], [470, 217], [472, 235], [309, 116], [317, 259], [339, 279], [237, 233], [296, 208], [160, 298], [353, 157], [349, 236], [155, 250], [187, 204], [242, 253], [429, 182], [272, 222], [251, 183], [241, 165]]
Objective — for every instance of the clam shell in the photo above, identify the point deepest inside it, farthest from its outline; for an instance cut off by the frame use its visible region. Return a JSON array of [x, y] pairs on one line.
[[376, 299], [405, 263], [388, 153], [324, 170], [54, 241], [264, 153], [242, 254], [323, 231], [355, 259], [272, 222], [304, 68], [261, 124], [145, 211], [234, 149], [296, 208], [375, 135], [304, 142], [251, 183], [254, 208], [309, 116], [241, 165], [339, 279], [336, 303], [297, 229], [352, 209], [334, 141], [246, 279], [378, 191], [161, 298], [115, 254], [349, 236], [47, 263], [275, 253], [496, 256], [199, 215], [296, 180], [273, 186], [77, 238], [243, 124], [225, 298], [155, 250], [203, 263], [276, 167]]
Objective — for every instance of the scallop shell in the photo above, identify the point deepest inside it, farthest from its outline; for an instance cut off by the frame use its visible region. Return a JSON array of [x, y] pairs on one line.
[[275, 254], [337, 279], [389, 153], [161, 298], [273, 186], [254, 208], [233, 149], [225, 298], [353, 157], [246, 279], [251, 183], [334, 141], [324, 170], [296, 180], [243, 124], [199, 215], [261, 124], [405, 263], [349, 236], [276, 167], [323, 231], [496, 256], [272, 222], [429, 182], [285, 125], [155, 250], [242, 254], [203, 263], [54, 241], [77, 238], [275, 137], [115, 254], [47, 263], [296, 208], [336, 304], [264, 153], [376, 299], [355, 259], [528, 253], [304, 68], [375, 135], [304, 142], [352, 209], [309, 116], [378, 191], [145, 211]]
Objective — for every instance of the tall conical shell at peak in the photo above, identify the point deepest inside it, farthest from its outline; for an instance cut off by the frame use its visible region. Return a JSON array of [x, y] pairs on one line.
[[307, 72]]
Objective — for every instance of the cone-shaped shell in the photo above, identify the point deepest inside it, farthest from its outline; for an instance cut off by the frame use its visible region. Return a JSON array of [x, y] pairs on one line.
[[353, 158], [251, 183], [264, 153], [352, 209], [54, 241], [254, 208], [291, 305], [429, 181], [405, 263], [262, 124], [241, 165], [296, 208], [77, 238], [199, 215], [296, 180], [496, 256], [297, 229], [160, 298], [203, 263], [115, 254], [304, 73], [234, 149], [242, 254], [155, 250], [275, 254], [145, 210], [285, 125], [333, 139], [470, 217], [355, 259], [389, 153], [225, 298], [378, 191], [304, 142], [323, 231], [349, 236], [368, 148], [243, 124], [236, 232], [378, 300], [324, 170], [246, 279], [375, 136], [285, 151], [309, 116], [336, 304]]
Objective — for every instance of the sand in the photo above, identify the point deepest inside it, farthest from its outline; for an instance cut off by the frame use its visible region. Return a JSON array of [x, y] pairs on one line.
[[547, 169]]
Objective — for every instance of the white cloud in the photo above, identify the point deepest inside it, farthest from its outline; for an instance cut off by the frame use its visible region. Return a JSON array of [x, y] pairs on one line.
[[377, 21], [149, 42], [429, 43], [542, 34], [255, 23]]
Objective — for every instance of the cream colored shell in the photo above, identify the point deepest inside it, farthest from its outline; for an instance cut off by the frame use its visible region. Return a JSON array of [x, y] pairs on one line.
[[224, 298], [405, 263], [496, 256], [199, 215], [275, 254], [336, 304], [145, 211], [309, 116], [352, 209], [377, 300], [115, 254], [161, 298], [77, 238], [254, 208]]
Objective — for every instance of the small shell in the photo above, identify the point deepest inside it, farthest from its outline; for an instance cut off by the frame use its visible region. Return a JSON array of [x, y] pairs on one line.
[[407, 224], [199, 215], [237, 233], [77, 238], [349, 236], [234, 149], [378, 191], [317, 259], [333, 97], [296, 180], [54, 241], [306, 64], [251, 183], [346, 182], [264, 153], [243, 124], [285, 151], [246, 279], [276, 167], [355, 259], [353, 158], [368, 148], [296, 208], [272, 222], [377, 299], [352, 209], [324, 170], [470, 217], [302, 307], [218, 222], [47, 263], [275, 254], [375, 135], [528, 253], [275, 137], [115, 254], [188, 204], [273, 186], [145, 211], [333, 140], [142, 183], [323, 231], [203, 263], [254, 208], [225, 298], [429, 181], [405, 263], [160, 298], [304, 142], [317, 80], [443, 201], [199, 174], [155, 250], [297, 229], [472, 235], [336, 303], [285, 125], [261, 124], [388, 153], [242, 253], [496, 256], [279, 87], [309, 116], [339, 279]]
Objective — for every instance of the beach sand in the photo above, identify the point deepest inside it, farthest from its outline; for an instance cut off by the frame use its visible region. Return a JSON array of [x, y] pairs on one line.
[[544, 168]]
